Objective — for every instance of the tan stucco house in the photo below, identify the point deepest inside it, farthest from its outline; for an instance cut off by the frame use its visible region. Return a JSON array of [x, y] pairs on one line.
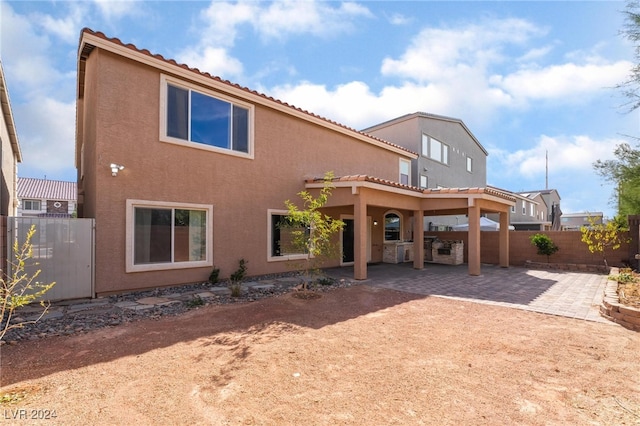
[[10, 155], [184, 171]]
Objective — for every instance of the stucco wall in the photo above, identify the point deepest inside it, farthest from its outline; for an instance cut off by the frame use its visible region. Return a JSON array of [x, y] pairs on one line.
[[8, 201], [572, 249], [121, 125]]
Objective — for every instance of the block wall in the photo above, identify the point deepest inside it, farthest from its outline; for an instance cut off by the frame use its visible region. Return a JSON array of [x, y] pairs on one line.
[[572, 249]]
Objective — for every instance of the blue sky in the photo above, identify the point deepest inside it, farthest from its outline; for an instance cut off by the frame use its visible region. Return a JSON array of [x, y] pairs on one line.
[[526, 77]]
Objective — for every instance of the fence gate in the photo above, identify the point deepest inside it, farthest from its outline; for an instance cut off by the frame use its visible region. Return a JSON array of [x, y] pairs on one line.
[[63, 251]]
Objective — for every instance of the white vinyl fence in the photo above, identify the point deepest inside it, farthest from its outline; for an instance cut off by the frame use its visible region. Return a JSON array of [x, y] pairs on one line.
[[63, 251]]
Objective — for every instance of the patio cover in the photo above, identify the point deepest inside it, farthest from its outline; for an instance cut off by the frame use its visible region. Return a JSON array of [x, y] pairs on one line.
[[486, 224], [362, 191]]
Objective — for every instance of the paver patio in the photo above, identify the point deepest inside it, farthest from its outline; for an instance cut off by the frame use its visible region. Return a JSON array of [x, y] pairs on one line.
[[569, 294]]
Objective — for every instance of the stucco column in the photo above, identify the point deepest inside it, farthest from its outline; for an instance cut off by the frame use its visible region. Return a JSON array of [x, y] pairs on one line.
[[360, 237], [418, 239], [504, 239], [474, 240]]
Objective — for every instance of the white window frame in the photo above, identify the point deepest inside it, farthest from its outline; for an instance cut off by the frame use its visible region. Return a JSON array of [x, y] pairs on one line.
[[408, 164], [166, 80], [130, 266], [424, 181], [470, 164], [428, 143], [532, 210], [400, 226], [31, 201], [270, 258], [524, 208]]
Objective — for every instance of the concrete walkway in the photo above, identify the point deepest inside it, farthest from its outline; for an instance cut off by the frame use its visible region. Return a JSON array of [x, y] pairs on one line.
[[569, 294]]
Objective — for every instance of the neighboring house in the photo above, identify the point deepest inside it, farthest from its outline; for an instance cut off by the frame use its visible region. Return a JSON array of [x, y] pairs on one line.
[[46, 198], [534, 210], [10, 155], [530, 212], [450, 156], [184, 171], [574, 221], [551, 198]]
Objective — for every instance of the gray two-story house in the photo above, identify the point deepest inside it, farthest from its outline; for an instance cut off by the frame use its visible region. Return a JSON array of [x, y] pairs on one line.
[[450, 155]]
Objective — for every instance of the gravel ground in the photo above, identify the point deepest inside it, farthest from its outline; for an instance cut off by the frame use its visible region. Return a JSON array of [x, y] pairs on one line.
[[74, 317]]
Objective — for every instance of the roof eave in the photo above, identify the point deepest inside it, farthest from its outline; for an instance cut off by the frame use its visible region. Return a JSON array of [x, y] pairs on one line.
[[8, 116]]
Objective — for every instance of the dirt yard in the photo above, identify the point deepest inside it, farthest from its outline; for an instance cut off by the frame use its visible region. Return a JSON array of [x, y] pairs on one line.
[[357, 355]]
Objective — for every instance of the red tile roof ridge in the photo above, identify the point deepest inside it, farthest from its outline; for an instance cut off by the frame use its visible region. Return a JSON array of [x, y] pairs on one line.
[[367, 178], [133, 47]]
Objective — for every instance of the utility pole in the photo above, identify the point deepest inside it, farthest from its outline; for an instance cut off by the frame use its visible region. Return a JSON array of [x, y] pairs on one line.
[[546, 169]]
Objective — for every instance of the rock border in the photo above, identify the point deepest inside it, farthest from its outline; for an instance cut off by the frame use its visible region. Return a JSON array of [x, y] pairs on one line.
[[577, 267], [613, 310]]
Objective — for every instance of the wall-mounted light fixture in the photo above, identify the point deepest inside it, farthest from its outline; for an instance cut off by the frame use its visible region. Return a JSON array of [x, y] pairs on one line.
[[375, 223], [115, 168]]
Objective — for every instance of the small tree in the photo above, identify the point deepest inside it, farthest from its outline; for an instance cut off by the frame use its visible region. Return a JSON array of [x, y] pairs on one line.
[[545, 246], [599, 236], [312, 231], [20, 289]]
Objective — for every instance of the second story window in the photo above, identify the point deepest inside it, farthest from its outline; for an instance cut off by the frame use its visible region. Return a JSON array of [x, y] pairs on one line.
[[469, 164], [405, 171], [195, 116], [435, 150], [31, 204]]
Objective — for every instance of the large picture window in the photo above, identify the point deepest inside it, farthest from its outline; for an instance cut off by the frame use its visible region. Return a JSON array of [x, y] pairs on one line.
[[435, 150], [212, 122], [161, 236], [284, 238]]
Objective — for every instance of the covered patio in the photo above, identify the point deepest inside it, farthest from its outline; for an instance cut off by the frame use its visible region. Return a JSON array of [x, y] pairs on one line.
[[366, 197]]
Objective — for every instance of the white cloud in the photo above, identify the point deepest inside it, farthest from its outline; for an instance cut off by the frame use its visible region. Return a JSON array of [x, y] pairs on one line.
[[114, 9], [567, 154], [451, 72], [47, 134], [66, 28], [535, 54], [564, 82], [215, 61], [399, 19], [277, 20], [289, 17], [436, 53]]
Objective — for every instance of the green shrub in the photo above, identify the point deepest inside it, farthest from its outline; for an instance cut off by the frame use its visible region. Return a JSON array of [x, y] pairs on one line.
[[213, 278], [545, 246]]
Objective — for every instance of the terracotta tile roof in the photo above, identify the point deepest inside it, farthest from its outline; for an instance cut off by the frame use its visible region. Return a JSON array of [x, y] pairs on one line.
[[485, 190], [40, 189], [86, 50], [453, 191]]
